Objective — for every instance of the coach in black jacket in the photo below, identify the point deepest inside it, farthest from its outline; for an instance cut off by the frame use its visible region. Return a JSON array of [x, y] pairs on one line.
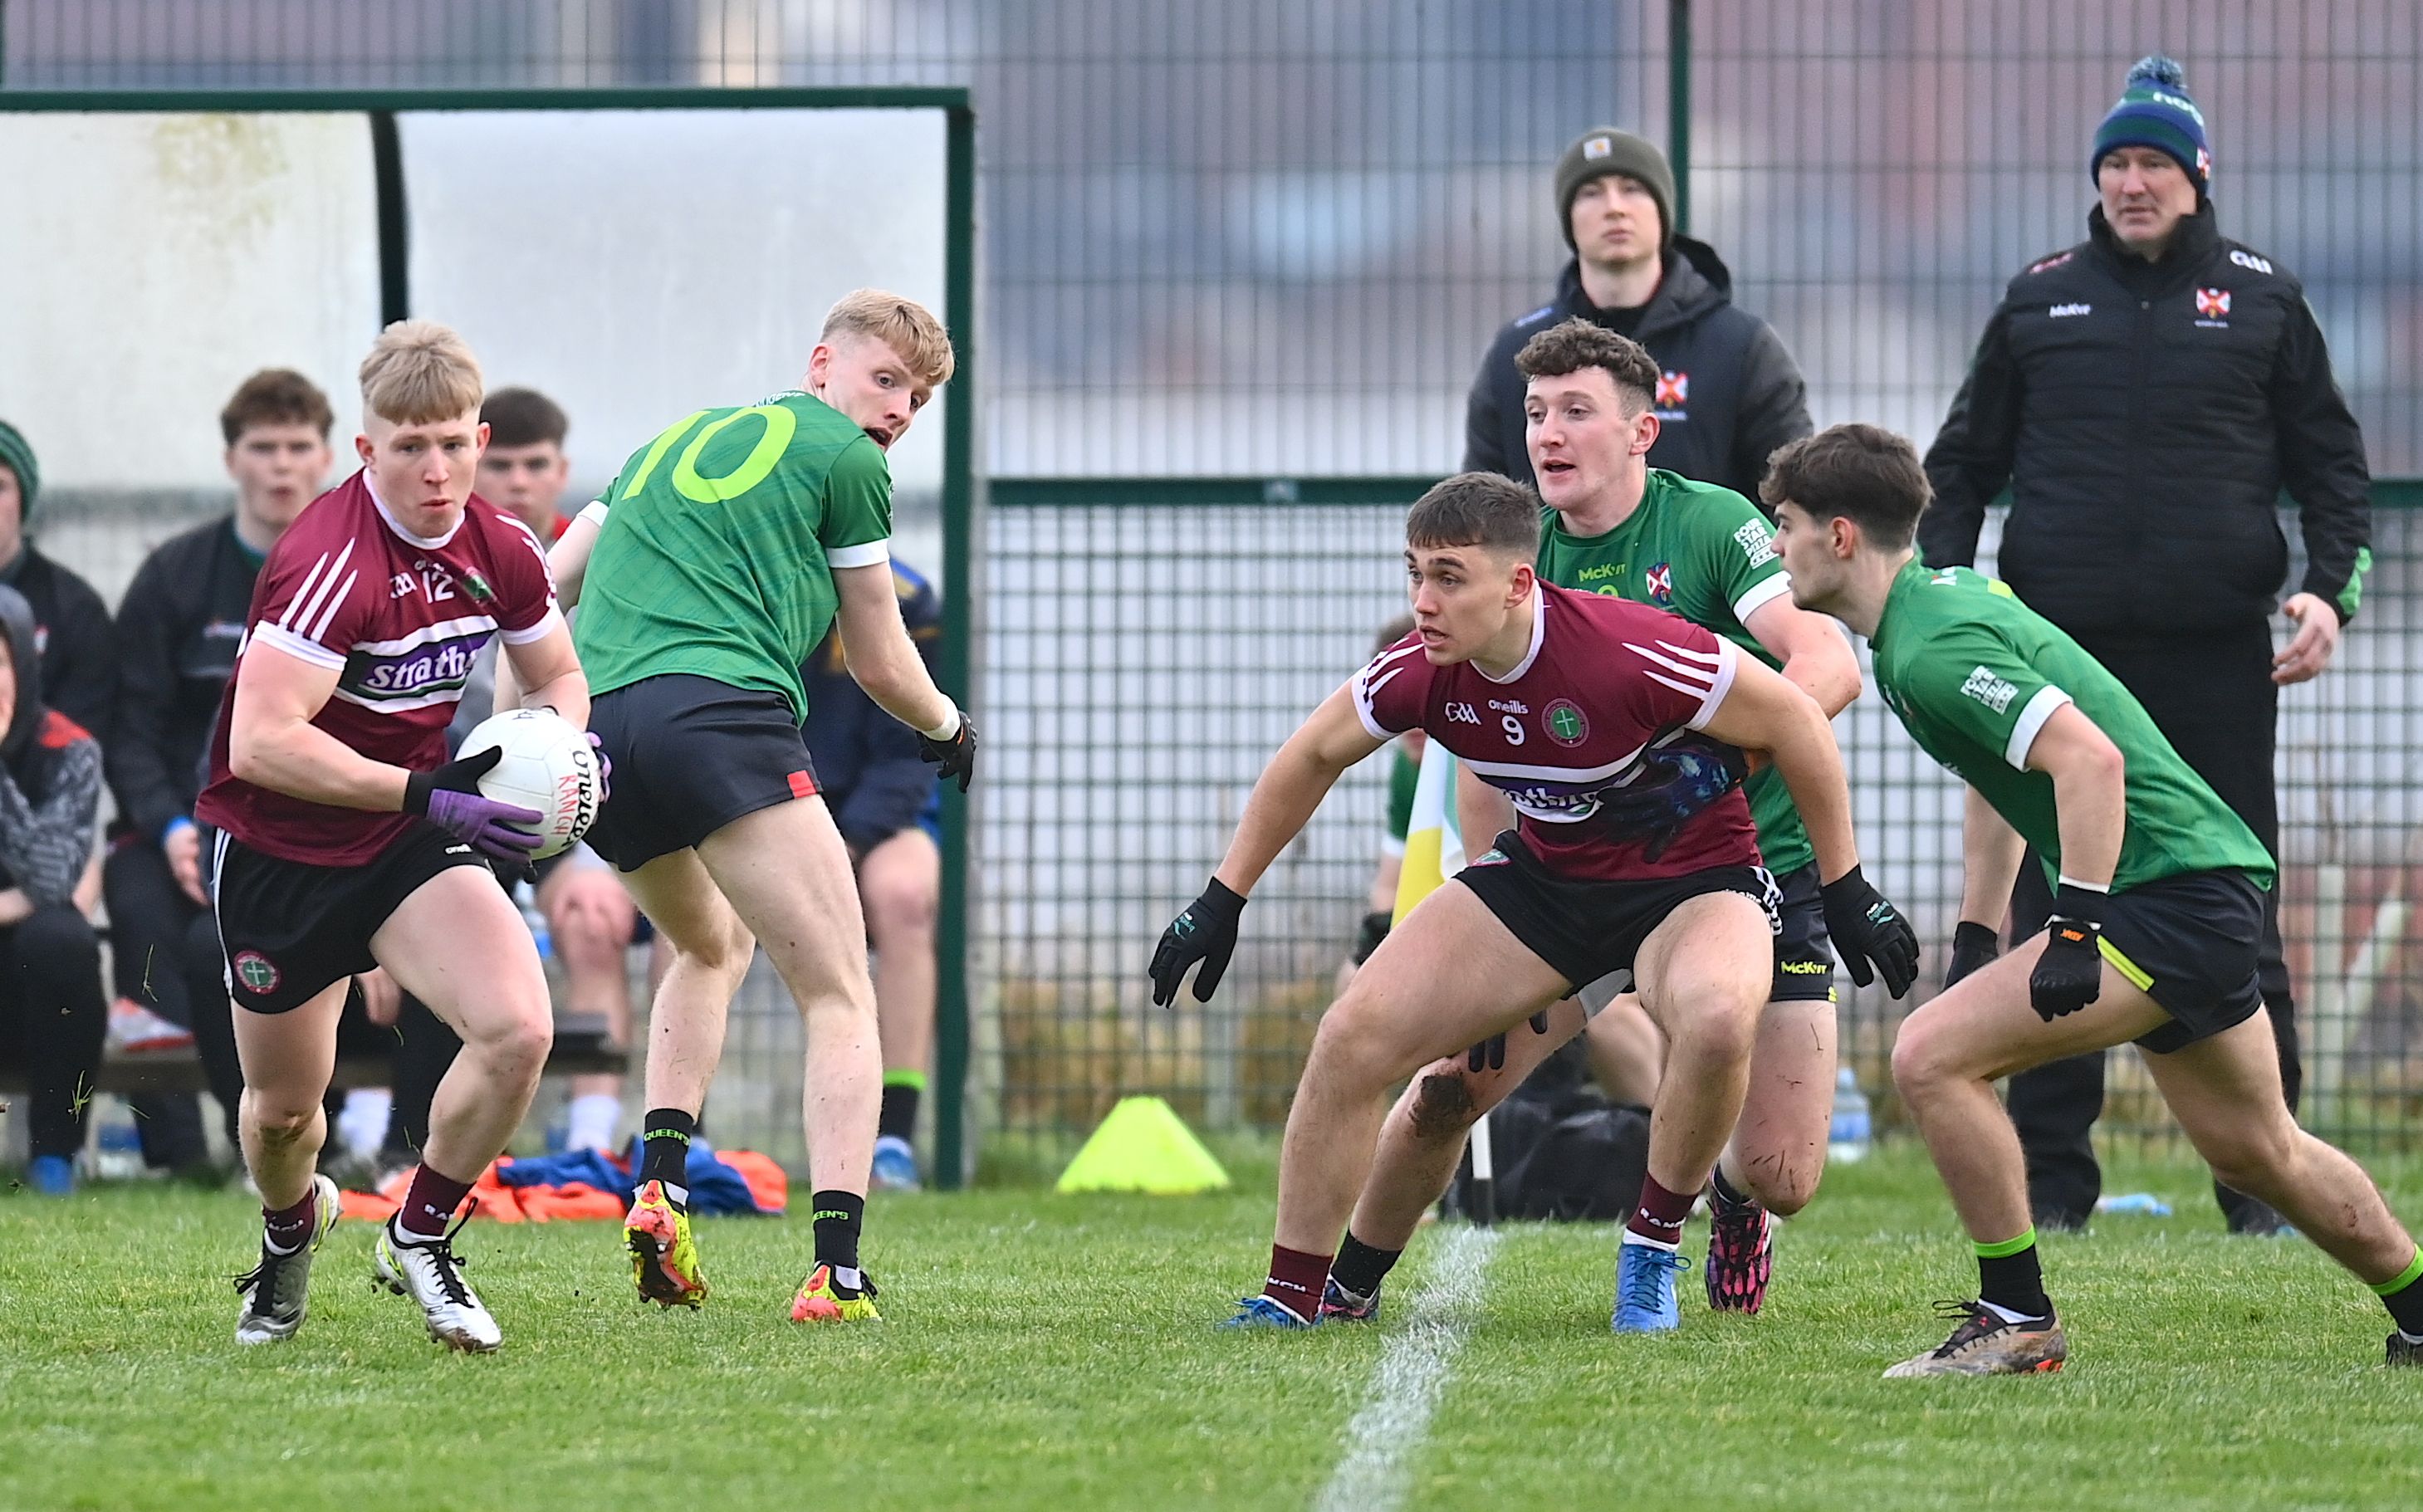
[[2147, 395], [1728, 392]]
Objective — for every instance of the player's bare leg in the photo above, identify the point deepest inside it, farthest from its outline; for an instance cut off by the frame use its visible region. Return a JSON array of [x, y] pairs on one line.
[[786, 873], [1627, 1054], [702, 954], [901, 882], [458, 944], [591, 916], [287, 1058], [1703, 975], [1447, 978]]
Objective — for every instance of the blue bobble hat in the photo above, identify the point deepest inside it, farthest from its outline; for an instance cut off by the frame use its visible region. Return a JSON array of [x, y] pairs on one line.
[[2154, 111]]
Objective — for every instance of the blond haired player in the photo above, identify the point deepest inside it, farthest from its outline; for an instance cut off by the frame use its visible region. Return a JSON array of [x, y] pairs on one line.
[[712, 569], [347, 841]]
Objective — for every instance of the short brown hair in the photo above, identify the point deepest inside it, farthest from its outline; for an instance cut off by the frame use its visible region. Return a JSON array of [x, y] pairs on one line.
[[523, 418], [420, 373], [906, 326], [1569, 346], [1477, 509], [276, 396], [1862, 473]]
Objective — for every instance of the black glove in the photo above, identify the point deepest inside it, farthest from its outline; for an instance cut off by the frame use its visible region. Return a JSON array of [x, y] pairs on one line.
[[1972, 946], [1675, 782], [1490, 1054], [1374, 930], [2069, 973], [1866, 928], [957, 756], [1205, 932]]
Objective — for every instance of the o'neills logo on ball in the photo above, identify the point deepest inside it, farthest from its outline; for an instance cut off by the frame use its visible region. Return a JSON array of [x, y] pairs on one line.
[[254, 972]]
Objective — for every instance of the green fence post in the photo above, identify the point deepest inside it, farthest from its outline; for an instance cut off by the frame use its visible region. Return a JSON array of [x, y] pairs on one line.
[[958, 650]]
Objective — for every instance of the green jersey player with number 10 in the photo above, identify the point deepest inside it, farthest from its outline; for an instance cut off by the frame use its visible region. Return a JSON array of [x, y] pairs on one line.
[[1615, 526], [2157, 908], [708, 574]]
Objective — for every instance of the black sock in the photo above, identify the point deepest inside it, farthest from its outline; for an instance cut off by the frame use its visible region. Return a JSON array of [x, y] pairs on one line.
[[2013, 1281], [1725, 1193], [899, 1116], [1359, 1268], [2404, 1295], [664, 1151], [838, 1215]]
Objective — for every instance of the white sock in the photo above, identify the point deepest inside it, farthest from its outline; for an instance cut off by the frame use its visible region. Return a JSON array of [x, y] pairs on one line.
[[2008, 1315], [589, 1121], [1648, 1243], [362, 1125], [2411, 1338]]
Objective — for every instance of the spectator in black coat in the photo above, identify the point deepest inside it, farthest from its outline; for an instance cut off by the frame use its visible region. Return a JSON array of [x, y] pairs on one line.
[[888, 808], [52, 1014], [72, 635]]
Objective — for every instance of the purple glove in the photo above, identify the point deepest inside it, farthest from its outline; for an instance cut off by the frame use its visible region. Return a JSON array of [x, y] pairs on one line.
[[605, 769], [449, 798]]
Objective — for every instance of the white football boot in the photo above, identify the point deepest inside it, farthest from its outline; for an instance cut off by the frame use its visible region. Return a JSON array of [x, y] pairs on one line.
[[276, 1291], [429, 1272]]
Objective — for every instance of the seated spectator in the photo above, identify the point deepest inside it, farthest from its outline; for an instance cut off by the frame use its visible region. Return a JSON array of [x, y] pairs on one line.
[[591, 919], [72, 632], [178, 630], [52, 1012], [888, 807]]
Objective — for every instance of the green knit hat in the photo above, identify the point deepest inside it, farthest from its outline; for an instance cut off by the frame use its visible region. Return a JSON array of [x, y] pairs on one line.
[[18, 457], [2154, 110], [1602, 151]]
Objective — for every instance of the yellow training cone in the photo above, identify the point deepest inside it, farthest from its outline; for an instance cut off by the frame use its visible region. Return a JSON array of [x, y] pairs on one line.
[[1143, 1145]]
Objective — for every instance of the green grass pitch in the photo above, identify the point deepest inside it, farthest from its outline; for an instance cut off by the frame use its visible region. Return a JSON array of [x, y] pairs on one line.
[[1058, 1353]]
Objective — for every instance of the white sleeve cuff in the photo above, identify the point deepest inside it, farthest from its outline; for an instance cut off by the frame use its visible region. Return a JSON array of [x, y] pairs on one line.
[[2032, 721], [1758, 595], [871, 553], [297, 647], [594, 511], [546, 626], [1727, 660]]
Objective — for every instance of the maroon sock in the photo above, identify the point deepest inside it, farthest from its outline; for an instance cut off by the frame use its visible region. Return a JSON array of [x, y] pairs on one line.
[[428, 1206], [1295, 1281], [1660, 1217], [289, 1228]]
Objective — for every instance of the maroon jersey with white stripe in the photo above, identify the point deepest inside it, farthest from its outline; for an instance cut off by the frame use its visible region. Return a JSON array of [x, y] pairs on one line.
[[1606, 678], [399, 618]]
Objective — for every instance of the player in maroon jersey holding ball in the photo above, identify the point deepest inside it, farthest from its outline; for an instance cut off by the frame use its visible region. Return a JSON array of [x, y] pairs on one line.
[[348, 841], [1611, 725]]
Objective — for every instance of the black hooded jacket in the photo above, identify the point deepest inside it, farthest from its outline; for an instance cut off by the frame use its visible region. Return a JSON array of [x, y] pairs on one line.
[[2146, 417], [50, 777], [1731, 394]]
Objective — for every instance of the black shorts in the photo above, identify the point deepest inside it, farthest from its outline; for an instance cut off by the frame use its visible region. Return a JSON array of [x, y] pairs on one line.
[[691, 755], [2191, 943], [288, 930], [1804, 957], [1586, 930]]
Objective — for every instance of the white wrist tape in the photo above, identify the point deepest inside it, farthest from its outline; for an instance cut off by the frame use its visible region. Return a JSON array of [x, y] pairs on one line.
[[2070, 881], [946, 730]]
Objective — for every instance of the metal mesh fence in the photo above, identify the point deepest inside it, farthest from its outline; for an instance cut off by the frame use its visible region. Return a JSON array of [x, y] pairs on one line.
[[1271, 239]]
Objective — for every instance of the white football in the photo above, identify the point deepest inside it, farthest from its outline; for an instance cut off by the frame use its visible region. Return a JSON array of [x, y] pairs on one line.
[[548, 764]]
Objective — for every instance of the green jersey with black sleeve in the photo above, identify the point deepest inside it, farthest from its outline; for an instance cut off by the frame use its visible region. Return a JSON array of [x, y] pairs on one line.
[[1973, 674], [717, 545], [1706, 554]]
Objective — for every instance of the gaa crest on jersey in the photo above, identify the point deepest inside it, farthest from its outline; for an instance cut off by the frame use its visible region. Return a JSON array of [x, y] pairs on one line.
[[1673, 391], [1564, 723], [1661, 585], [254, 972]]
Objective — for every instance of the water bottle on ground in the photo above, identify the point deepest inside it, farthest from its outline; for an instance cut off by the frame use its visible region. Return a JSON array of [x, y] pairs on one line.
[[1847, 1137], [117, 1144]]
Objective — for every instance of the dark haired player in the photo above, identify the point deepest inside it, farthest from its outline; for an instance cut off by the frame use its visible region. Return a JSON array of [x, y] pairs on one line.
[[1614, 525], [2158, 912], [1562, 700]]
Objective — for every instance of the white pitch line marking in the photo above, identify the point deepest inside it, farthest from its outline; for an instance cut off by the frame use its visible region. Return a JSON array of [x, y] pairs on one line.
[[1410, 1378]]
